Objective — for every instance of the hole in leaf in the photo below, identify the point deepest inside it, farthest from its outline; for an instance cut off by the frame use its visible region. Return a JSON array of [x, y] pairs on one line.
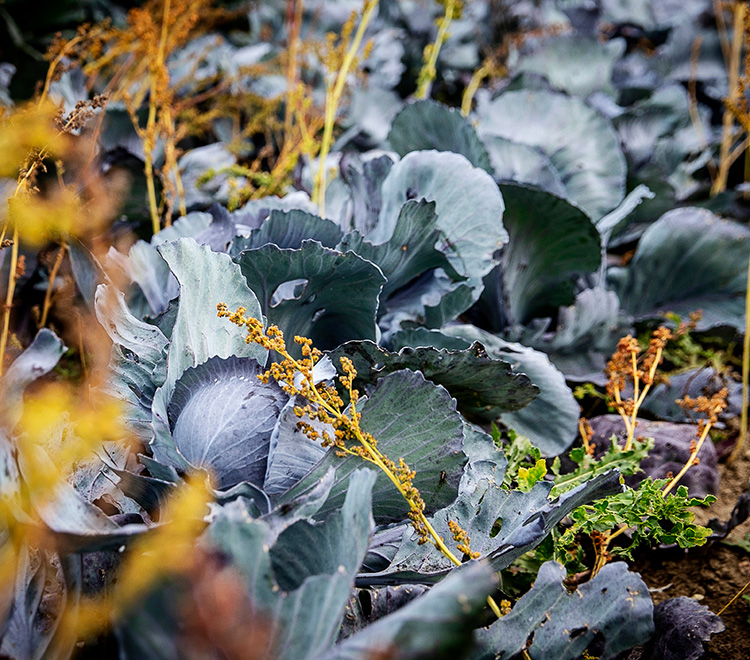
[[365, 602], [291, 290], [106, 505], [577, 632]]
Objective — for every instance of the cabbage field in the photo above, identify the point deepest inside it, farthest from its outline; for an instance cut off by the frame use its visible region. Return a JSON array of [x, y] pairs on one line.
[[374, 329]]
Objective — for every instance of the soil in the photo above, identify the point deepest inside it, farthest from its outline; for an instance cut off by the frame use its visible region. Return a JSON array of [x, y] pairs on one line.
[[714, 573]]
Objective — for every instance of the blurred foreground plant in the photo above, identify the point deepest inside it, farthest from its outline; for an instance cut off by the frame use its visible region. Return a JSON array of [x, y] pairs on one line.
[[34, 138], [165, 551]]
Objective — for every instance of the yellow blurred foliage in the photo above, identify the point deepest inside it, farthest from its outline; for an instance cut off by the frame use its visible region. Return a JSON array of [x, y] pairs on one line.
[[59, 429], [165, 551], [39, 218], [24, 131]]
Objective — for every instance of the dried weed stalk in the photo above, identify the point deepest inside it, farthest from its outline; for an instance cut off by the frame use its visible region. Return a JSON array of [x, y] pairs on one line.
[[428, 73], [326, 406], [629, 365]]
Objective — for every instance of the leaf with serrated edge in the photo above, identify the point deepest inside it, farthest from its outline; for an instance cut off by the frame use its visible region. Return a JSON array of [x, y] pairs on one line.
[[551, 420], [527, 518], [482, 386], [614, 604]]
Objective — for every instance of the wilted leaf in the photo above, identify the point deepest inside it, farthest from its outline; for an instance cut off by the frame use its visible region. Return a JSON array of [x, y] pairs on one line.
[[29, 628], [138, 362], [681, 626], [78, 525], [525, 519]]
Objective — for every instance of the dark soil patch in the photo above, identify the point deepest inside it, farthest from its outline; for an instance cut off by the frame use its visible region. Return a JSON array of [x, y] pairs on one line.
[[714, 573]]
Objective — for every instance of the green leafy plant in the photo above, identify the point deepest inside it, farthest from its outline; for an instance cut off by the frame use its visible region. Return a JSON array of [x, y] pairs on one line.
[[647, 515]]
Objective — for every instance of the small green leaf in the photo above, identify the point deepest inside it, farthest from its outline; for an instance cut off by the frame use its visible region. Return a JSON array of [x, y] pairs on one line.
[[527, 477]]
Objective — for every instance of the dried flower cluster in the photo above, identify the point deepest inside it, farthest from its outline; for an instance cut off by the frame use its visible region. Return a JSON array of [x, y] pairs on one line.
[[462, 538], [326, 408], [629, 365], [711, 407]]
